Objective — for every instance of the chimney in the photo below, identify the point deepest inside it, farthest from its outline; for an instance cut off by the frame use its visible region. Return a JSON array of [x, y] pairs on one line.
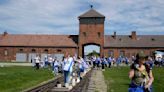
[[114, 35], [5, 33], [133, 35]]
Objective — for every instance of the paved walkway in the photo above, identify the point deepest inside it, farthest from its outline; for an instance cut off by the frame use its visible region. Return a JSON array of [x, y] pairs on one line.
[[97, 82], [15, 64]]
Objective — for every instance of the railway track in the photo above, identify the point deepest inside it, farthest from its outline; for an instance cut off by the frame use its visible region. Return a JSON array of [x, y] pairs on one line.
[[51, 85], [46, 86]]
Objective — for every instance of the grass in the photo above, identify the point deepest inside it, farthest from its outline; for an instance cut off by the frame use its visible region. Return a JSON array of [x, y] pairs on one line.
[[117, 79], [15, 62], [18, 78], [159, 79]]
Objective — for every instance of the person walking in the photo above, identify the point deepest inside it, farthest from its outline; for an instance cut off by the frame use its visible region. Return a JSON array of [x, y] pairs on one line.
[[98, 61], [141, 75], [109, 61], [37, 61], [68, 68], [56, 66], [80, 67], [45, 61], [94, 61], [103, 63]]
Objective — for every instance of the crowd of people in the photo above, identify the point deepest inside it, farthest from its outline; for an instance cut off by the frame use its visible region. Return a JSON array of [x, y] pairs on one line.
[[57, 65], [69, 66], [76, 66], [95, 61]]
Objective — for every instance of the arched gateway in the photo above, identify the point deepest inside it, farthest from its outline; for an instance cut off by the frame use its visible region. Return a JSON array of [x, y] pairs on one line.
[[90, 48], [91, 31]]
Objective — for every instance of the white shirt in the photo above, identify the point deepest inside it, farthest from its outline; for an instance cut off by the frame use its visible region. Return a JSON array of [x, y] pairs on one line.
[[37, 59], [70, 60], [50, 59]]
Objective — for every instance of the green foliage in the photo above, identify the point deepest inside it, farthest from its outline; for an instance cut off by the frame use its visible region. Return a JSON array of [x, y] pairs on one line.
[[117, 79], [93, 53], [18, 78]]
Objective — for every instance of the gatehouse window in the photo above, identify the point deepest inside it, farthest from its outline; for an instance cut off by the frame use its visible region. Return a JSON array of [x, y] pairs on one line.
[[128, 55], [33, 50], [151, 53], [122, 53], [6, 52], [46, 50], [20, 50], [84, 33], [58, 50], [111, 53]]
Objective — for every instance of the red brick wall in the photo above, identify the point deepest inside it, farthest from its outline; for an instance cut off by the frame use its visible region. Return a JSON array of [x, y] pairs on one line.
[[130, 51], [92, 36], [11, 55]]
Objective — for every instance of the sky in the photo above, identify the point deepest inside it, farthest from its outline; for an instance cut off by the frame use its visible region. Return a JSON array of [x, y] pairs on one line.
[[91, 48], [146, 17]]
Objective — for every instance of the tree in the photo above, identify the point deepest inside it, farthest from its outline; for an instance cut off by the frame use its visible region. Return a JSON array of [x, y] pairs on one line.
[[93, 53]]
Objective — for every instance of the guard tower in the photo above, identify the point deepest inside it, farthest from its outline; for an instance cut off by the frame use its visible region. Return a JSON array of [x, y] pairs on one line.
[[91, 30]]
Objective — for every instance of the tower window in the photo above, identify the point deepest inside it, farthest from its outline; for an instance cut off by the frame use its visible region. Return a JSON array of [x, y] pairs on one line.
[[84, 33], [99, 34], [95, 21], [152, 39], [6, 52]]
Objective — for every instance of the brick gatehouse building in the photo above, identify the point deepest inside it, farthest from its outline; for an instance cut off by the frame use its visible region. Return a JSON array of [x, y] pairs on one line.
[[15, 47]]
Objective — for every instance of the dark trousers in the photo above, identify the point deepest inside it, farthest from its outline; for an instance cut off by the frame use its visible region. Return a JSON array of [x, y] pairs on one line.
[[105, 65], [37, 65], [97, 65], [109, 65], [66, 76], [102, 66], [94, 64]]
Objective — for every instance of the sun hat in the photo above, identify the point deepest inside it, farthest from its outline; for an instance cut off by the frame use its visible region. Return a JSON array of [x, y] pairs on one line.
[[141, 54]]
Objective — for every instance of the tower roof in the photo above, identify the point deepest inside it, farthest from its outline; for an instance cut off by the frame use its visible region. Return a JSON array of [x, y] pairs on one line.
[[91, 13]]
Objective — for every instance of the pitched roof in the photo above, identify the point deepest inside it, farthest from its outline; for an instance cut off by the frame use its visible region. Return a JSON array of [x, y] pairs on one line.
[[141, 41], [37, 40], [91, 13], [72, 40]]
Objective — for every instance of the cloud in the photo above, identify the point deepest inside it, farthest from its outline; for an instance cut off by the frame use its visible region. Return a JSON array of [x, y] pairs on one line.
[[33, 16], [140, 15], [60, 16]]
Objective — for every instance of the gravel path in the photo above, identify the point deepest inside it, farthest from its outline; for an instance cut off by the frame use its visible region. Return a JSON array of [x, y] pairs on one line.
[[15, 64], [97, 82]]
